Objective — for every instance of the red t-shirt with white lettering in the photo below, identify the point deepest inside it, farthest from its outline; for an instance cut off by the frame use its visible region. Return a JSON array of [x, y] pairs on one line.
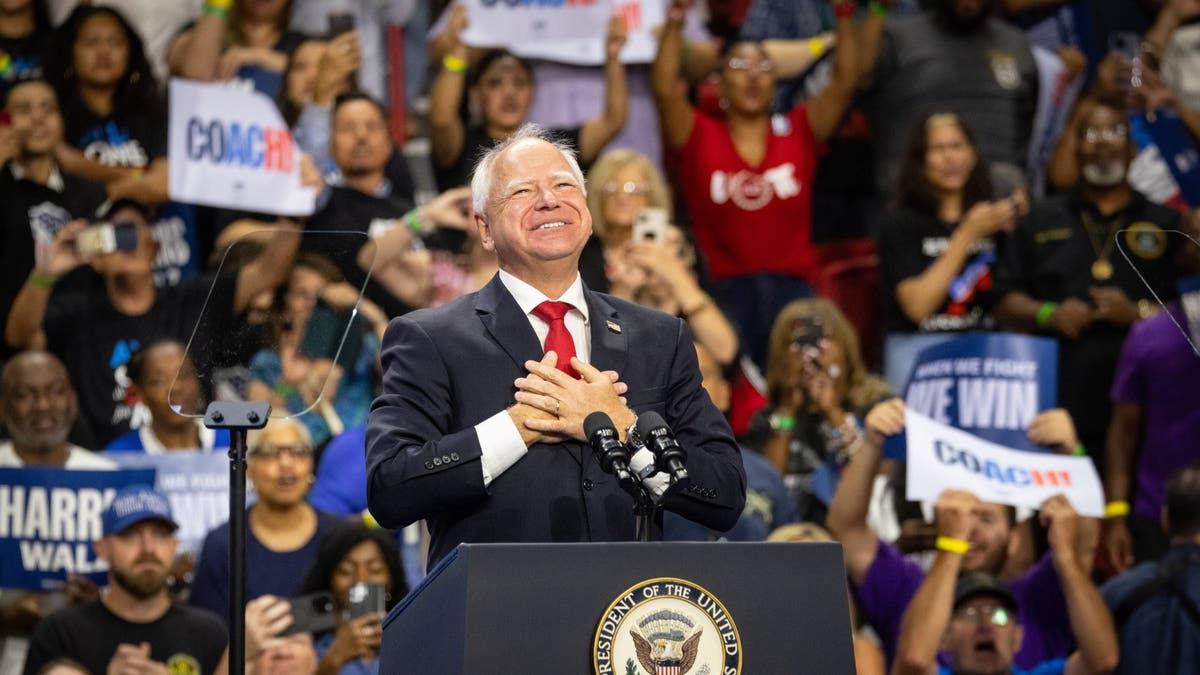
[[746, 218]]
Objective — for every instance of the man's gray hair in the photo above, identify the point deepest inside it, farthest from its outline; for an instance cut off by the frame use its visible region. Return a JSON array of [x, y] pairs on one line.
[[481, 179]]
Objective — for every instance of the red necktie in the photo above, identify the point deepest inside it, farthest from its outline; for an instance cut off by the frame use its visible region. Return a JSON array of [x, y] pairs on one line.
[[558, 340]]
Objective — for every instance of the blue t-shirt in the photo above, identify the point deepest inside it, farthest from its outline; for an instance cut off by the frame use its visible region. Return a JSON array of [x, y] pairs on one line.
[[1158, 636], [267, 572], [356, 667], [1054, 667]]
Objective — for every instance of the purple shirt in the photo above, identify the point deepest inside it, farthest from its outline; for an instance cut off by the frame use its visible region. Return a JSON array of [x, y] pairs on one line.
[[1159, 372], [893, 579]]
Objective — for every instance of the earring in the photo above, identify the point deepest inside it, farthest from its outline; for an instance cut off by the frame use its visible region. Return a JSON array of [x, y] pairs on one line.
[[134, 77]]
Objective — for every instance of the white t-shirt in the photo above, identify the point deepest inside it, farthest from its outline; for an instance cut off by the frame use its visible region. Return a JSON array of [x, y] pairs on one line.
[[77, 459]]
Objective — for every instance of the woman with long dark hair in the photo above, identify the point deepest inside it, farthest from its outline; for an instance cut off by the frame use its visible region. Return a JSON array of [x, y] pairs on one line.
[[499, 87], [939, 241], [114, 116], [350, 554]]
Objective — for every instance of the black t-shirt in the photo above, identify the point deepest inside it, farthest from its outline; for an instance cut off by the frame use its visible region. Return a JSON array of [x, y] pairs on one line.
[[349, 210], [95, 341], [908, 244], [186, 639], [1050, 257], [30, 216], [475, 143], [129, 141], [21, 59]]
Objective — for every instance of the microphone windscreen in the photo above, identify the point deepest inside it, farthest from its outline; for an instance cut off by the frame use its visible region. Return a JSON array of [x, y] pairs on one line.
[[649, 421], [595, 422]]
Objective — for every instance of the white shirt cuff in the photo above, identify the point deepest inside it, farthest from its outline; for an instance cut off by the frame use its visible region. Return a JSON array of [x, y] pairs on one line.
[[500, 445]]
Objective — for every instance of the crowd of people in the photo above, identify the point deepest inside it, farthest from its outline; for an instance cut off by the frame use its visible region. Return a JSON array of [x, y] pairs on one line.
[[979, 165]]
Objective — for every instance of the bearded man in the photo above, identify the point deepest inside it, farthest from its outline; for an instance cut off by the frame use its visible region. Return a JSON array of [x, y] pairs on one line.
[[133, 627], [1085, 265]]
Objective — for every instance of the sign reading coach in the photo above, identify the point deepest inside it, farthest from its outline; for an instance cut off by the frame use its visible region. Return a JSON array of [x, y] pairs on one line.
[[230, 148], [49, 519], [992, 385], [942, 457]]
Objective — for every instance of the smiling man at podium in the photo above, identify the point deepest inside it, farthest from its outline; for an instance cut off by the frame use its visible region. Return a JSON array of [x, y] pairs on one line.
[[479, 429]]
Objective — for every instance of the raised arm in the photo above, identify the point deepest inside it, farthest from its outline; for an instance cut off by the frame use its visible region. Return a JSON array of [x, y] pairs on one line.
[[928, 614], [196, 53], [826, 109], [1120, 449], [600, 131], [24, 326], [446, 132], [1091, 623], [674, 111], [271, 267], [847, 518]]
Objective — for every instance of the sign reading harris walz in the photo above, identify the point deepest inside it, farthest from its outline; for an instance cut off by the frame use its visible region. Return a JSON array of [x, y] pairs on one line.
[[667, 626], [49, 519]]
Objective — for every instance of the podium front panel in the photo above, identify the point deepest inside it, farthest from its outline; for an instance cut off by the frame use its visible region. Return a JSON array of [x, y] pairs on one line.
[[513, 608]]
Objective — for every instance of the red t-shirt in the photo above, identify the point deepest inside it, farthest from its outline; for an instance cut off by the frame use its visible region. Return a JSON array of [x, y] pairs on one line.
[[746, 218]]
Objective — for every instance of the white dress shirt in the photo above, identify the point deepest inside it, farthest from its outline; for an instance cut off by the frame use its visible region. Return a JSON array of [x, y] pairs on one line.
[[499, 439]]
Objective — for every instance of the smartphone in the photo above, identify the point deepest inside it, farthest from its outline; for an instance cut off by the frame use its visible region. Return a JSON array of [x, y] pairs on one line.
[[340, 22], [650, 224], [106, 238], [808, 331], [312, 613], [323, 334], [366, 598]]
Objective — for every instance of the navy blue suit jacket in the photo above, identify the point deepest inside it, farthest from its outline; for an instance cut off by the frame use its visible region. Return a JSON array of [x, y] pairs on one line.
[[449, 368]]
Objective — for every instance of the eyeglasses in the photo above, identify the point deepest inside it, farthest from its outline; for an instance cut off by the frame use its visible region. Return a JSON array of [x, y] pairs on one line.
[[997, 616], [628, 187], [1095, 135], [764, 66], [271, 451]]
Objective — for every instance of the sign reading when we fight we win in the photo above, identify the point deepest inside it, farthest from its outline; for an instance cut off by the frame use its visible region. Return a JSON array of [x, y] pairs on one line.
[[49, 519], [969, 405]]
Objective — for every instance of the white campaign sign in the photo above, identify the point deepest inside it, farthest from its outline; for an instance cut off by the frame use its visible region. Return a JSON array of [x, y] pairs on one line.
[[941, 457], [569, 31], [231, 149]]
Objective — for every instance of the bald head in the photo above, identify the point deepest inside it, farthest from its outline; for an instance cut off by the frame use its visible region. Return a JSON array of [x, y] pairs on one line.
[[37, 403]]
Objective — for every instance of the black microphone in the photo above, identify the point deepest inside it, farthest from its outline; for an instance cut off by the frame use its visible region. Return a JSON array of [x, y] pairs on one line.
[[613, 455], [658, 438]]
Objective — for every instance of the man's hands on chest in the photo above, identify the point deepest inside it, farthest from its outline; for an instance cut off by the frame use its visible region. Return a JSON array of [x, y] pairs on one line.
[[551, 405]]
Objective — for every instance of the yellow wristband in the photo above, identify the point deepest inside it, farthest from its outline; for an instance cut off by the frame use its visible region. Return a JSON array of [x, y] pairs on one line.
[[816, 47], [219, 4], [952, 545], [454, 64], [1116, 509]]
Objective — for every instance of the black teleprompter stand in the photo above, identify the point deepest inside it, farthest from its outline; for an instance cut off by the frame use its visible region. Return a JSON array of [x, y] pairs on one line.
[[238, 417]]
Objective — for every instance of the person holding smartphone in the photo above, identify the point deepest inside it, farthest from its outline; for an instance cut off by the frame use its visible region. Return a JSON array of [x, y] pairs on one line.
[[818, 390], [939, 241], [302, 366], [360, 568]]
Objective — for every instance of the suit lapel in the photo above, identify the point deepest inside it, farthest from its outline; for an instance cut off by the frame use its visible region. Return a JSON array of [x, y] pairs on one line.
[[610, 340], [507, 324]]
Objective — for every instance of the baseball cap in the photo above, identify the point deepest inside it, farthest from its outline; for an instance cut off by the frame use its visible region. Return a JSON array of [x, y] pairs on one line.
[[975, 584], [133, 504]]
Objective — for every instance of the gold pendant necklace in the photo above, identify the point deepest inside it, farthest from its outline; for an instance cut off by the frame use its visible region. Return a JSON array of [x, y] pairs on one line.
[[1102, 269]]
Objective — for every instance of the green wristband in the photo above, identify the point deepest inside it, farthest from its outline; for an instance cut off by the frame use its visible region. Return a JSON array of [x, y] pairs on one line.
[[878, 9], [1044, 312], [1081, 451], [414, 222], [219, 12], [41, 281], [781, 423]]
